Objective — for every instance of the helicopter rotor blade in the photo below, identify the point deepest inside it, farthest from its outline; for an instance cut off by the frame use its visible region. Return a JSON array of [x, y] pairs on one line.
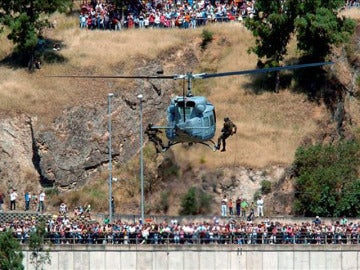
[[172, 77], [190, 76], [263, 70]]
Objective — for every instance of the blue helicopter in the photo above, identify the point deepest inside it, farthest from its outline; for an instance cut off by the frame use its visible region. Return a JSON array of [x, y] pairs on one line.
[[192, 119]]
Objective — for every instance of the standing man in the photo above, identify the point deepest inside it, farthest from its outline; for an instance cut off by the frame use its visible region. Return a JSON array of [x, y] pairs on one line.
[[1, 201], [13, 197], [228, 129], [230, 206], [244, 206], [224, 203], [41, 207], [260, 207], [238, 206], [27, 200]]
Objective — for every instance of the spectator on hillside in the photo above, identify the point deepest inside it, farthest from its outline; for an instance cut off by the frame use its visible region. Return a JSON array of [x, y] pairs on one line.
[[230, 206], [27, 198], [260, 207], [41, 207], [63, 209], [238, 206], [317, 220], [224, 203], [2, 198], [35, 202], [343, 221], [13, 198], [251, 215], [244, 206]]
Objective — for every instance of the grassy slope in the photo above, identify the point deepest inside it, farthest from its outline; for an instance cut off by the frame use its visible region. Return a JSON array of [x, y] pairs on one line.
[[270, 125]]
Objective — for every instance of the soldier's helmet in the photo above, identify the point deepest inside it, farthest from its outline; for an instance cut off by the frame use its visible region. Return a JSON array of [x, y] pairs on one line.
[[226, 119]]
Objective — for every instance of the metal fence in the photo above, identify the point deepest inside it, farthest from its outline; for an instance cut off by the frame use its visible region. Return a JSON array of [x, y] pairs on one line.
[[197, 239]]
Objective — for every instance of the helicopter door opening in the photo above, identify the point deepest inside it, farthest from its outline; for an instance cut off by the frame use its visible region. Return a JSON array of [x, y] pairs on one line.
[[214, 114]]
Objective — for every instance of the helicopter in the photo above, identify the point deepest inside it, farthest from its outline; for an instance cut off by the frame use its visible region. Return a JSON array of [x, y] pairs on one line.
[[192, 119]]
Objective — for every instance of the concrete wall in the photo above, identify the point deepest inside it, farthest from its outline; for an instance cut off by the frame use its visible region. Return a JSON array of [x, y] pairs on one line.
[[207, 257]]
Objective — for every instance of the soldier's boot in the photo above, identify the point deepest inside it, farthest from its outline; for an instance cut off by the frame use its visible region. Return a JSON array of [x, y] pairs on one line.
[[223, 150]]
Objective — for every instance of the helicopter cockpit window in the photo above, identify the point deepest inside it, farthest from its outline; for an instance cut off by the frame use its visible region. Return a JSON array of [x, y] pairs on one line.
[[189, 106], [189, 103], [187, 110]]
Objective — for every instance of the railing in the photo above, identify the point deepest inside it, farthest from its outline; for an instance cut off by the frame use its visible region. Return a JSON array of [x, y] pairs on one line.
[[197, 239]]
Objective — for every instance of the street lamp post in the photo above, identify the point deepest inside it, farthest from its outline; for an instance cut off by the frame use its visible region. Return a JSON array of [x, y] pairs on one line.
[[110, 95], [140, 97]]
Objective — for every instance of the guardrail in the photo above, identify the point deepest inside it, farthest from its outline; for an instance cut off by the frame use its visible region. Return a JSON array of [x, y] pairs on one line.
[[195, 239]]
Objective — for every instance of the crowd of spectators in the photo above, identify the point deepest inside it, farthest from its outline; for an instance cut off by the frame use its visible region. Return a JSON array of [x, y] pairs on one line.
[[81, 229], [168, 13], [164, 14]]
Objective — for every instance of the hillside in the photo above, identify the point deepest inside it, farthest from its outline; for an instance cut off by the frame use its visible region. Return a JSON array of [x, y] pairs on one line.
[[54, 130]]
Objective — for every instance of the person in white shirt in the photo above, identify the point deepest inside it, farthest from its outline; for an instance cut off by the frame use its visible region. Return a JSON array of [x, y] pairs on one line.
[[41, 207], [224, 203], [260, 207], [13, 197]]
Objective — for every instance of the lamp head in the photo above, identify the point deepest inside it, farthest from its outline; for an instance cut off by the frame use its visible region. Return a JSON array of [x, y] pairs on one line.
[[140, 96]]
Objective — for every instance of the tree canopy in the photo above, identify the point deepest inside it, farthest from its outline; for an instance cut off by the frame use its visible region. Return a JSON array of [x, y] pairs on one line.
[[316, 24], [11, 255], [327, 182], [26, 19], [40, 254]]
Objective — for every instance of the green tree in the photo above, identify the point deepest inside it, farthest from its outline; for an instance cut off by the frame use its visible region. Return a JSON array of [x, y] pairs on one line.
[[273, 28], [39, 253], [317, 26], [26, 19], [327, 180], [189, 203], [11, 255]]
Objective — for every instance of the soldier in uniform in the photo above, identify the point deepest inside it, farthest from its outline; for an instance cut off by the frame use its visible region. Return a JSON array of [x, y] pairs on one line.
[[228, 129], [153, 136]]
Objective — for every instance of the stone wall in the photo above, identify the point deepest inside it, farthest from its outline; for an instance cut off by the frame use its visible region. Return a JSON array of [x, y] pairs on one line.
[[207, 257]]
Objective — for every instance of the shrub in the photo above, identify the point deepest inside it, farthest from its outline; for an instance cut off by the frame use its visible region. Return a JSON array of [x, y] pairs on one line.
[[265, 186], [189, 203], [207, 37], [195, 202]]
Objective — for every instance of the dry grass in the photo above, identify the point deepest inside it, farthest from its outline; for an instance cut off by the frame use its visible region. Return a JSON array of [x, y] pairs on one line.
[[353, 13], [270, 126], [87, 52]]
